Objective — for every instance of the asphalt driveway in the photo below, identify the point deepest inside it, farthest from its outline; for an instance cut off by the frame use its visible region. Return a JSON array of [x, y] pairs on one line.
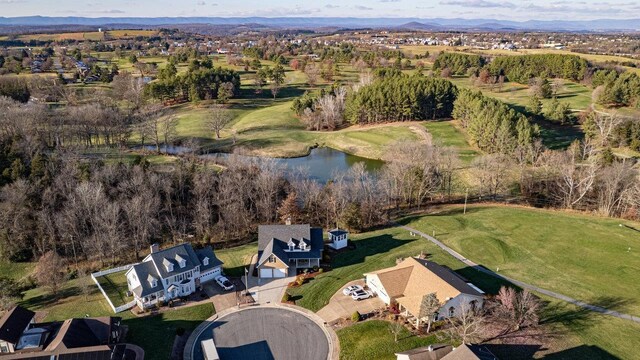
[[342, 306]]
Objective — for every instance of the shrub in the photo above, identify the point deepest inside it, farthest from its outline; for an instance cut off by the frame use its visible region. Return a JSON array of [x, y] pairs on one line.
[[286, 297], [300, 280], [355, 317], [321, 270]]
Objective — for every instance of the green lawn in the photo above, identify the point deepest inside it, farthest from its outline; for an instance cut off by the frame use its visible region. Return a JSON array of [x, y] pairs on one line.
[[155, 334], [115, 285], [586, 257], [237, 258], [373, 340], [16, 271], [446, 133]]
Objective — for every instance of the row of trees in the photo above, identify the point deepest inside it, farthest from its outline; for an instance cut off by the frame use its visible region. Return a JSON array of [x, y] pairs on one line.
[[616, 89], [524, 67], [201, 82], [492, 125], [401, 98], [458, 63]]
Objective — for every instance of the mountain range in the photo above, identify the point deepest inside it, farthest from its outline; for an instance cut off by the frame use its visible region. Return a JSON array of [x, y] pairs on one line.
[[340, 22]]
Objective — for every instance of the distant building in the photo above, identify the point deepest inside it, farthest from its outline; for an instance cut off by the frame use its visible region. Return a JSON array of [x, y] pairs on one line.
[[447, 352]]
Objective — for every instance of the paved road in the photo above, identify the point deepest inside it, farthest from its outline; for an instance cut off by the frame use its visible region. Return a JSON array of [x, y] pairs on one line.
[[266, 333], [521, 284]]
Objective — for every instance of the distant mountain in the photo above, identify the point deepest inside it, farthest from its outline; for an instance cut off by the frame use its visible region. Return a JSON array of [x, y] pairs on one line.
[[347, 22]]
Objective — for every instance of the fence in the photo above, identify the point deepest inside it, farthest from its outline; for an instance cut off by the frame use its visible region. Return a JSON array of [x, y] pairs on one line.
[[96, 275]]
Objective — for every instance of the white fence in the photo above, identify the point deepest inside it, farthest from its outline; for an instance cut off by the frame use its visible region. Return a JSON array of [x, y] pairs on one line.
[[95, 275]]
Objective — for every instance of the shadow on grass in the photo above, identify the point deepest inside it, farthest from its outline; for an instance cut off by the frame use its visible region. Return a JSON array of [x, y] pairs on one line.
[[368, 247], [47, 299], [590, 352], [579, 318]]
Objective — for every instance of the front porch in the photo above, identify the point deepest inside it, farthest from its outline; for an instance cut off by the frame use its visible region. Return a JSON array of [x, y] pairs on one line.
[[305, 263]]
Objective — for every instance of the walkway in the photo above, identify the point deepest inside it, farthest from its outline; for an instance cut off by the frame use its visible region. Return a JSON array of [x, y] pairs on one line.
[[521, 284]]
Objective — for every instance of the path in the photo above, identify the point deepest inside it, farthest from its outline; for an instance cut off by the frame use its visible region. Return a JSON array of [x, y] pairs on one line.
[[521, 284]]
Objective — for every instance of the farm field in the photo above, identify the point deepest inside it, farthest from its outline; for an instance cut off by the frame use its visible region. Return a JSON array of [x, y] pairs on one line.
[[593, 259]]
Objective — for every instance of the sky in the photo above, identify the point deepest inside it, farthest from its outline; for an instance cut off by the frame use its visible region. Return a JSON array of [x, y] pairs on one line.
[[519, 10]]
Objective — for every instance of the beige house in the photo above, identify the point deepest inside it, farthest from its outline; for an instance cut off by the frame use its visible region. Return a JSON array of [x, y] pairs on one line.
[[409, 281]]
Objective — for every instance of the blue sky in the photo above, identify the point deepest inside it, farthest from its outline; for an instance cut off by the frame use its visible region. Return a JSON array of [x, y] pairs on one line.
[[499, 9]]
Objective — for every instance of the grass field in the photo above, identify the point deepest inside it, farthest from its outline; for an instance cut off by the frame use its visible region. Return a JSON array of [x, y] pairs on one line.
[[16, 271], [373, 340], [236, 259], [446, 133], [586, 257], [91, 35], [115, 286], [155, 334]]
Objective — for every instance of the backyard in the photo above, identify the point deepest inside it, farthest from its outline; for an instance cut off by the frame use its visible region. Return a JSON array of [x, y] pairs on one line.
[[115, 286]]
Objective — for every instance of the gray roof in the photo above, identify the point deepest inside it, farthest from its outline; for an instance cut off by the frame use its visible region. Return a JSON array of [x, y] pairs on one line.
[[450, 276], [470, 352], [431, 352], [213, 260], [143, 270], [337, 232], [274, 239], [171, 255]]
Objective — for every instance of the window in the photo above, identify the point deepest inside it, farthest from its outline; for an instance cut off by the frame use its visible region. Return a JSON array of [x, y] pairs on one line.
[[205, 261], [183, 263], [272, 259], [452, 311]]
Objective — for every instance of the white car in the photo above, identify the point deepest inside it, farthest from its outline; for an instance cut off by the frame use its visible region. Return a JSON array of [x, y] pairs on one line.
[[350, 289], [224, 283], [361, 295]]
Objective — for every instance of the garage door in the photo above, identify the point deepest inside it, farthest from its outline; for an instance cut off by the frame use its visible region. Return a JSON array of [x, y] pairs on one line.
[[279, 273], [209, 274], [266, 273]]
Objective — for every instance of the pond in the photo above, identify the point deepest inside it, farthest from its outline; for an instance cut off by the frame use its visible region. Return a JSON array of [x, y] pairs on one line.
[[322, 163]]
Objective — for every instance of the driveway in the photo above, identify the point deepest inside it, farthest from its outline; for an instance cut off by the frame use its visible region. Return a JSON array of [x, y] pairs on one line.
[[268, 291], [342, 306], [222, 299]]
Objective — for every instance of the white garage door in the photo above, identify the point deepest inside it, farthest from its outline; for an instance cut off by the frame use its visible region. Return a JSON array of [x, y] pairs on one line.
[[266, 273], [279, 273], [209, 274]]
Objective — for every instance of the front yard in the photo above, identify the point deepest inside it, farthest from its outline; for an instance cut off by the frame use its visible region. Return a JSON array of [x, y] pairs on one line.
[[373, 340]]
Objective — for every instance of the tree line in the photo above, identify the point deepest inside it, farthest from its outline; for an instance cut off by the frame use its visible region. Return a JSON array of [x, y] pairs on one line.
[[401, 98], [458, 63], [521, 68], [492, 125]]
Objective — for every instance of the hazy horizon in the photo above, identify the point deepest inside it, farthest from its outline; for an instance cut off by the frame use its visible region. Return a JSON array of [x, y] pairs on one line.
[[514, 10]]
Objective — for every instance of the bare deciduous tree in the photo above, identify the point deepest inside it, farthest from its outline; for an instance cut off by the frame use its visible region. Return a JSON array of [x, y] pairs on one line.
[[428, 307], [468, 325], [219, 117], [516, 309], [50, 272]]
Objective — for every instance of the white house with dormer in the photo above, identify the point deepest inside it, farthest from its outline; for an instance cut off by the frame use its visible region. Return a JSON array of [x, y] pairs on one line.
[[338, 239], [171, 273]]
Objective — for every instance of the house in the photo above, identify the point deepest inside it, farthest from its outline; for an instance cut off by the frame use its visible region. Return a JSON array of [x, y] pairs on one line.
[[338, 239], [447, 352], [410, 280], [175, 272], [12, 325], [285, 247], [431, 352], [86, 338], [470, 352]]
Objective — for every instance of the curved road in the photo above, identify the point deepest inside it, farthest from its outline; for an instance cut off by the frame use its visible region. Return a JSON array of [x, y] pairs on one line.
[[521, 284]]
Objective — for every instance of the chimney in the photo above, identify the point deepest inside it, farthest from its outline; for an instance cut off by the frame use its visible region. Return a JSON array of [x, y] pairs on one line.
[[155, 248], [288, 221]]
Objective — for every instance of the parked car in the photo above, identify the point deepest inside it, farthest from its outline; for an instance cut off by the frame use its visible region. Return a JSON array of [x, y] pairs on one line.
[[361, 295], [224, 283], [350, 289]]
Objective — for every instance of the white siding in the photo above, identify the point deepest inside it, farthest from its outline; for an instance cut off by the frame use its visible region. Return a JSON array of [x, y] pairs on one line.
[[210, 274], [374, 284]]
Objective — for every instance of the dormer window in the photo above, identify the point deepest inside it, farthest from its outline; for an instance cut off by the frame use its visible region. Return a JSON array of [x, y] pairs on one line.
[[182, 262], [153, 282], [303, 245], [167, 265], [291, 245], [205, 261]]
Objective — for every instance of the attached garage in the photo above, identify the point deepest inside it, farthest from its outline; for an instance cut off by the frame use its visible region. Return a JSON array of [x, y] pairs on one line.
[[210, 274], [268, 273]]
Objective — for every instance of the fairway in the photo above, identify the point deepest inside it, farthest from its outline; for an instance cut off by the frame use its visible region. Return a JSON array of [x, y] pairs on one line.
[[593, 259]]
